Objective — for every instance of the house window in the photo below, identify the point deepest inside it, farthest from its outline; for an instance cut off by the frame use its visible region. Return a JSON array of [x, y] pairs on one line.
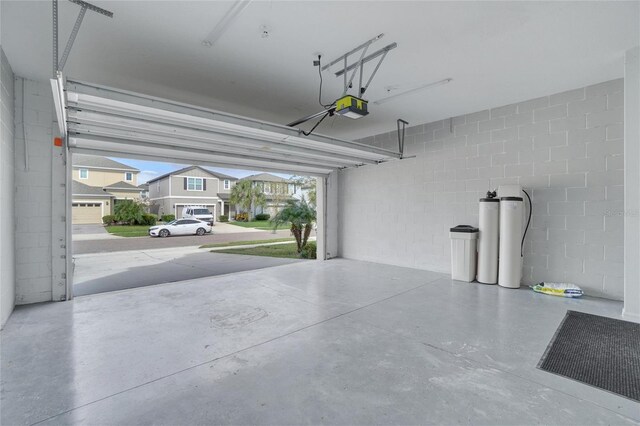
[[227, 184], [84, 173], [194, 184], [128, 176], [267, 188]]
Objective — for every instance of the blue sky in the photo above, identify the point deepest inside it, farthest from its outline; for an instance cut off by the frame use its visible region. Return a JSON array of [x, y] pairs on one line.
[[152, 169]]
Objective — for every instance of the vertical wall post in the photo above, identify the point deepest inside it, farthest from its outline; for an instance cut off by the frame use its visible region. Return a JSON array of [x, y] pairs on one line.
[[632, 184]]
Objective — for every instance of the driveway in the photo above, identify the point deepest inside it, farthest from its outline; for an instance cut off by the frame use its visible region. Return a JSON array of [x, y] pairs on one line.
[[88, 229], [114, 244], [103, 272], [90, 233]]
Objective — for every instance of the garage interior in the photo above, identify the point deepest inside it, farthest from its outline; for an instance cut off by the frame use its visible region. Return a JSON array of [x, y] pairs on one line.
[[463, 98]]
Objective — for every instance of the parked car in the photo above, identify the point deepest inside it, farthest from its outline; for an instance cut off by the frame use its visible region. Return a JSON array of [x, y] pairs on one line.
[[180, 227], [197, 212]]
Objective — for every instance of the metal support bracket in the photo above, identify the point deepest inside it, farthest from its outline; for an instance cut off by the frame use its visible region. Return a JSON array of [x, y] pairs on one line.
[[359, 64], [84, 6], [401, 130]]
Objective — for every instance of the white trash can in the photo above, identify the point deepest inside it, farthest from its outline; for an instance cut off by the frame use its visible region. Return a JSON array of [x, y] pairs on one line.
[[463, 252]]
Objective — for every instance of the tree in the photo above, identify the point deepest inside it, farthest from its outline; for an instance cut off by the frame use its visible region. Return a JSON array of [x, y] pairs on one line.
[[279, 195], [307, 184], [128, 211], [302, 216], [247, 196]]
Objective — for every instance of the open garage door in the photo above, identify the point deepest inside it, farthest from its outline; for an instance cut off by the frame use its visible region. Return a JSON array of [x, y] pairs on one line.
[[111, 122], [105, 121]]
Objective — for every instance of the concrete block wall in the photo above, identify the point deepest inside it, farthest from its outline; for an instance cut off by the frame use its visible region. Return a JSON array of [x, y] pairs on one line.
[[7, 193], [566, 149], [34, 115]]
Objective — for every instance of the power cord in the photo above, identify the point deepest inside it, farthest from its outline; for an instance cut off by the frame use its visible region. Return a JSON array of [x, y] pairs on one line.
[[319, 63]]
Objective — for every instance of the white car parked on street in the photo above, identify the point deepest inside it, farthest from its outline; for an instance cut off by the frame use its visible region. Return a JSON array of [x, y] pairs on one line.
[[180, 227]]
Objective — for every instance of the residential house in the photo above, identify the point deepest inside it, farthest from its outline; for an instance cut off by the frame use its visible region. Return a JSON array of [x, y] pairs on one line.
[[277, 191], [98, 184], [191, 186], [144, 190]]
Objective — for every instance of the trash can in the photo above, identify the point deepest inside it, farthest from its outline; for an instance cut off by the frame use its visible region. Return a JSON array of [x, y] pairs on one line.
[[463, 252]]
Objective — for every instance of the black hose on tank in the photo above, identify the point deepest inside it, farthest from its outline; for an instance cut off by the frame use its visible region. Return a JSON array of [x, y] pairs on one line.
[[528, 222]]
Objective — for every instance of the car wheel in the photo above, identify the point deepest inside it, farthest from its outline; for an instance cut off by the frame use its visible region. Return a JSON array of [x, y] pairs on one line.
[[200, 231], [163, 233]]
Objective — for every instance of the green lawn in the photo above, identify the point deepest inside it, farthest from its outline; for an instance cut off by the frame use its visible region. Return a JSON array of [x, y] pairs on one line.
[[259, 224], [128, 230], [289, 251], [242, 243]]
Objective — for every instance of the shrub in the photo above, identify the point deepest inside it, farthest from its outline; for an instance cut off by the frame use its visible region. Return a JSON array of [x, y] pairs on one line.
[[128, 212], [109, 219], [309, 251], [242, 217], [223, 218], [168, 217], [148, 219], [263, 216]]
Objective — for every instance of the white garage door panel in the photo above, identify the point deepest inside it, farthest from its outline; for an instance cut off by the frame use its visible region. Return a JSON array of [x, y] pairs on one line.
[[106, 120], [86, 213]]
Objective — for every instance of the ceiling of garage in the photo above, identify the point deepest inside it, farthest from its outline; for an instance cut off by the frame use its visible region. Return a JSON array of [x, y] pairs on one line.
[[496, 52]]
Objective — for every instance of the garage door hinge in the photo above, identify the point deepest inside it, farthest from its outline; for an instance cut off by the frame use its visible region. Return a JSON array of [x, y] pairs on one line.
[[63, 276], [63, 218], [63, 256]]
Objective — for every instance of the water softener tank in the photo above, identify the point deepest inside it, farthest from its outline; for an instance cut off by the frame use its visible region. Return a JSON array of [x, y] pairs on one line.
[[510, 267], [488, 237]]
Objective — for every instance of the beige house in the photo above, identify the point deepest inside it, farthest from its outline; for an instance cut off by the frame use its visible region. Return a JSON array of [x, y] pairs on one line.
[[98, 184], [191, 186]]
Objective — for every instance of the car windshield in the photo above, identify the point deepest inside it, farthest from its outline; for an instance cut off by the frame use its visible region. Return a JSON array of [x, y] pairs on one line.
[[201, 211]]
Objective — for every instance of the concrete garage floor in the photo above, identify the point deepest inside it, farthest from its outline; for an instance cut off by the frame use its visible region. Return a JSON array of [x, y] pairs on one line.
[[338, 342], [103, 272]]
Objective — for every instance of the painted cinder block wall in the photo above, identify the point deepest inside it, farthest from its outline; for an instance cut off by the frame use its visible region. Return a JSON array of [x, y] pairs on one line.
[[7, 192], [566, 149], [33, 189]]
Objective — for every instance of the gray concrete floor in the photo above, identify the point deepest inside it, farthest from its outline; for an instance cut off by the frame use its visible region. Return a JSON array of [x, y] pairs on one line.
[[103, 272], [337, 342]]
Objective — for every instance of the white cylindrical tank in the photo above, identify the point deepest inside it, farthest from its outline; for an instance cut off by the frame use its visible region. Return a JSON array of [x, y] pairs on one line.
[[510, 267], [489, 218]]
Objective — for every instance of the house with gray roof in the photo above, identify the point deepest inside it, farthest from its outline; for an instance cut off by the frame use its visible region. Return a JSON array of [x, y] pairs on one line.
[[98, 184], [277, 191], [191, 186]]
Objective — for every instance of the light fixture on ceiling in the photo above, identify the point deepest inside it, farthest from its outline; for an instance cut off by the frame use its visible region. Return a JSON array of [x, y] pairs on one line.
[[412, 90], [232, 14]]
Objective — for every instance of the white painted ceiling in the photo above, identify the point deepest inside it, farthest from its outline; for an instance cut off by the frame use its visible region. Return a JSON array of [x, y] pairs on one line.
[[496, 52]]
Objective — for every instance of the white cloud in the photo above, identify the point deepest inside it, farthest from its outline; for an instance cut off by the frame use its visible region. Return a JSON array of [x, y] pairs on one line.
[[146, 175]]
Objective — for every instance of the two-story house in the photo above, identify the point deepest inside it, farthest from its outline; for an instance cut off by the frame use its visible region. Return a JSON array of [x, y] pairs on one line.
[[277, 191], [191, 186], [98, 184]]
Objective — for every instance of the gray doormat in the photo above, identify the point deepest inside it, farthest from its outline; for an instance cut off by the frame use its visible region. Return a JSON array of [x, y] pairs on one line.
[[599, 351]]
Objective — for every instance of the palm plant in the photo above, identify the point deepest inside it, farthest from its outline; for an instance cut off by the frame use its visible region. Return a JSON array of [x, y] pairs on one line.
[[301, 216], [247, 196]]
